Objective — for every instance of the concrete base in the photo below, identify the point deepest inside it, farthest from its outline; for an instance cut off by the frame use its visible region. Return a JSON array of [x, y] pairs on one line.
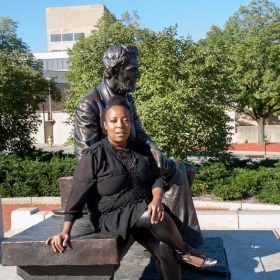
[[210, 219], [250, 219], [23, 218], [1, 220], [95, 272], [259, 219]]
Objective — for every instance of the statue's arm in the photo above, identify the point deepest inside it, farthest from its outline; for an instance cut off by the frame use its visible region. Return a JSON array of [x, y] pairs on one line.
[[86, 128]]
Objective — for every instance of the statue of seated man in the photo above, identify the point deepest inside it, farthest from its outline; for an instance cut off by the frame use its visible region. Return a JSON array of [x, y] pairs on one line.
[[120, 75]]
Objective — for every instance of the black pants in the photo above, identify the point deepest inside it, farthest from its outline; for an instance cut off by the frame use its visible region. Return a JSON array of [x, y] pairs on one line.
[[164, 242]]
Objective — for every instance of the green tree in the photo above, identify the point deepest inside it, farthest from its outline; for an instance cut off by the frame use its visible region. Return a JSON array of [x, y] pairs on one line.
[[180, 97], [176, 98], [250, 41], [22, 88], [9, 42]]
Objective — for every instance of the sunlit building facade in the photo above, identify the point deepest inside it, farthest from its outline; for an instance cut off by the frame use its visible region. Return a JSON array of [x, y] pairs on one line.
[[66, 25]]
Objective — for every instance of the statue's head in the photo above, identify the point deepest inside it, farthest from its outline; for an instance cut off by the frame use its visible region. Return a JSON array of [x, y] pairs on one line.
[[121, 68]]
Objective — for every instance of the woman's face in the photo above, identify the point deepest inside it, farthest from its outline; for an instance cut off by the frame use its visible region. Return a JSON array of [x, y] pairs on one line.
[[117, 123]]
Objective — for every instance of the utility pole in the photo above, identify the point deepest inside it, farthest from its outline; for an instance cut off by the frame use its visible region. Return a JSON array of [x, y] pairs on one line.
[[50, 100], [44, 124]]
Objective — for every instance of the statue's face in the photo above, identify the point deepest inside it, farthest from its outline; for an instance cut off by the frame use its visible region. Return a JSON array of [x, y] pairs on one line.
[[127, 77]]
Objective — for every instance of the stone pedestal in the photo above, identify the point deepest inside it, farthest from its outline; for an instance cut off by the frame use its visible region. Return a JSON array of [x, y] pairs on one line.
[[65, 184], [1, 220]]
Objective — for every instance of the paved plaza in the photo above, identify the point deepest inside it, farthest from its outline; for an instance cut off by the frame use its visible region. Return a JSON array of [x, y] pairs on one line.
[[251, 253]]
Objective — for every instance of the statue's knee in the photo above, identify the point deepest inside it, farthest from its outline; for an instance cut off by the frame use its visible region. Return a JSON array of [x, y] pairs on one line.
[[191, 173], [190, 167]]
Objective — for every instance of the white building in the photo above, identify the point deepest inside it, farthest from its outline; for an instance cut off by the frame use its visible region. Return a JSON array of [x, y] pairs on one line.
[[53, 119], [65, 26]]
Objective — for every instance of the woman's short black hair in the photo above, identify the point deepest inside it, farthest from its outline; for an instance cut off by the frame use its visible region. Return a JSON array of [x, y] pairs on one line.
[[115, 101]]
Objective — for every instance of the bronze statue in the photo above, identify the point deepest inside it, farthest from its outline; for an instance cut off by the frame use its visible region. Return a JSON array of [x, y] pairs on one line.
[[120, 75]]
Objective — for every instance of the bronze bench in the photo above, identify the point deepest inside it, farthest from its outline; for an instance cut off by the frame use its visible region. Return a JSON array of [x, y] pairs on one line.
[[92, 256]]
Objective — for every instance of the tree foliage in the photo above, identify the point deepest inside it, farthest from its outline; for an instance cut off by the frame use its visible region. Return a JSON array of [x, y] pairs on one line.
[[22, 88], [178, 96], [250, 40], [9, 42]]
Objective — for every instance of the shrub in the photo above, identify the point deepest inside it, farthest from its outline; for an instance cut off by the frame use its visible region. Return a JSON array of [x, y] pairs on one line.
[[270, 187], [268, 162], [242, 184], [270, 193], [35, 175], [231, 178], [208, 176]]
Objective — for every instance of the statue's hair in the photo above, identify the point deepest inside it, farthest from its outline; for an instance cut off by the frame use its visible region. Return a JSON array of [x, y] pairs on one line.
[[115, 101], [116, 56]]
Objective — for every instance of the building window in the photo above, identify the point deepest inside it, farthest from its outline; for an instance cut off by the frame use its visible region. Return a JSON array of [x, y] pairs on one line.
[[78, 36], [65, 63], [56, 64], [55, 37], [67, 37], [47, 64]]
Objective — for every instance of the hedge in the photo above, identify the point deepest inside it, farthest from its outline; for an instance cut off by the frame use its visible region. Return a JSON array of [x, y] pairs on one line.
[[34, 175], [232, 178]]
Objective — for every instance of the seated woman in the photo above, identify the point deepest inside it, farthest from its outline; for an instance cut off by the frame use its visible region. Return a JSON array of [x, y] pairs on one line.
[[121, 184]]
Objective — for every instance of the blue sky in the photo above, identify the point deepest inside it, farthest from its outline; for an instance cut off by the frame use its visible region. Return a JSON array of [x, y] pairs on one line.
[[194, 17]]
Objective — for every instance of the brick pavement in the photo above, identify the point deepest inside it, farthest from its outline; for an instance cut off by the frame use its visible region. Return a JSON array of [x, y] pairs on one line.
[[7, 210]]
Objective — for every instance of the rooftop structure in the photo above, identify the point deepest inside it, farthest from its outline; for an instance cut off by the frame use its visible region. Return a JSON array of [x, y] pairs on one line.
[[66, 25]]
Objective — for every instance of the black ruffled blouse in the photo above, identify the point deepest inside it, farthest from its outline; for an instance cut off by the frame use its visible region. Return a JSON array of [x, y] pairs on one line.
[[116, 185]]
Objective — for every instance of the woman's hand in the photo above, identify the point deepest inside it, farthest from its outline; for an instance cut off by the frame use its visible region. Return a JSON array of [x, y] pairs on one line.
[[59, 242], [156, 209]]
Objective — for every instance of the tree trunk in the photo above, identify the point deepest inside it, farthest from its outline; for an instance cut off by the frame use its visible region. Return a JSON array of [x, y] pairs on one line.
[[261, 131]]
